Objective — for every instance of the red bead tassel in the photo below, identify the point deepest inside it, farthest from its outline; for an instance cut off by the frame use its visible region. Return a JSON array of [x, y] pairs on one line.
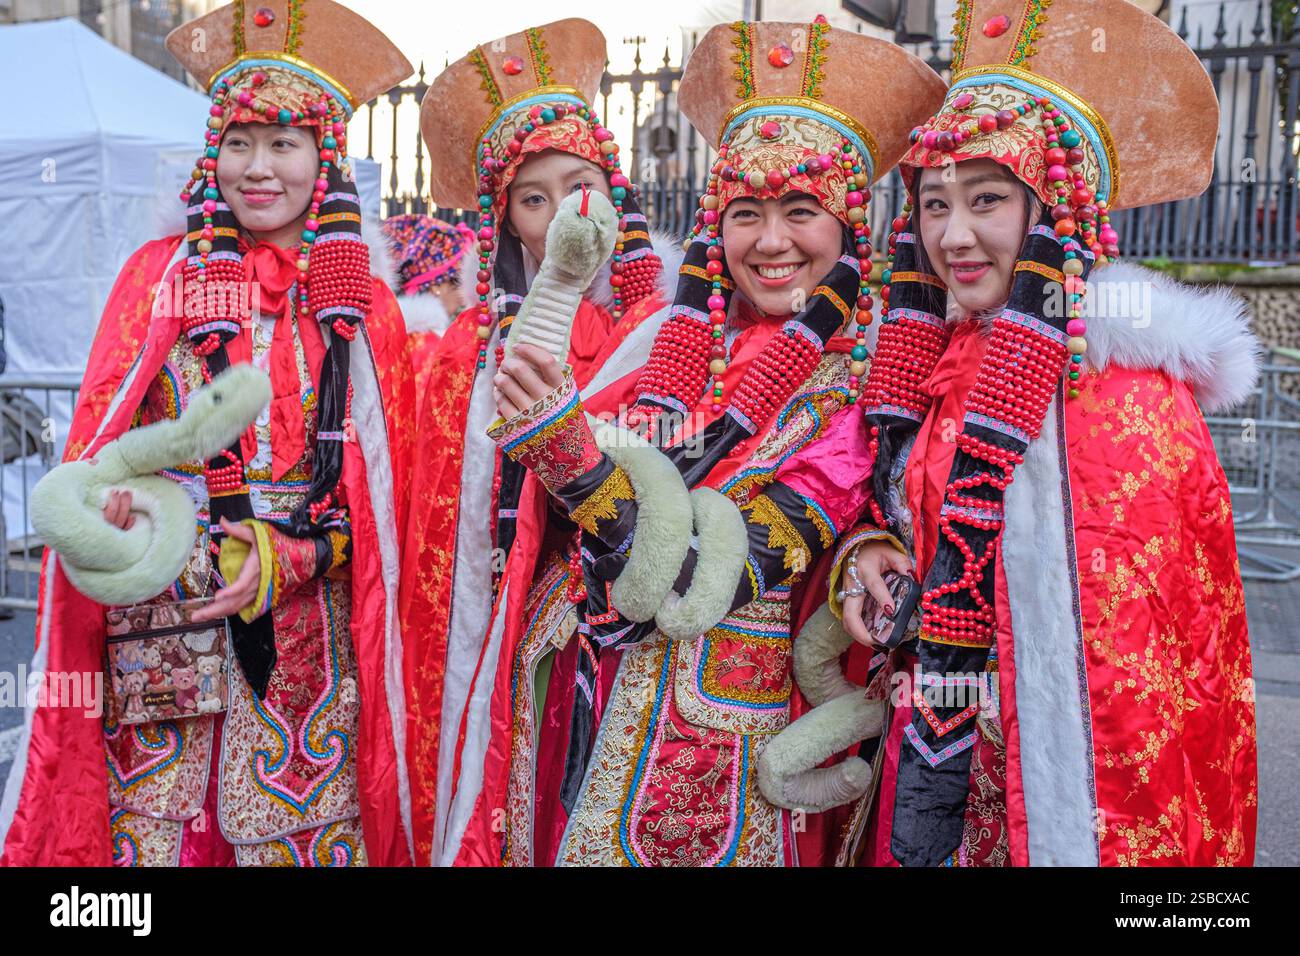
[[340, 277], [779, 369], [640, 278], [674, 369], [212, 294]]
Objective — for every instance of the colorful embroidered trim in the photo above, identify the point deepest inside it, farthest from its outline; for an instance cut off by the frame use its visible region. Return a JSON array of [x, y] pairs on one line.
[[939, 727], [820, 520], [238, 13], [601, 506], [934, 758], [781, 532], [960, 33], [1047, 272], [956, 642], [815, 58], [1034, 17], [923, 277], [488, 85], [698, 273], [537, 53], [293, 36], [743, 41], [834, 299]]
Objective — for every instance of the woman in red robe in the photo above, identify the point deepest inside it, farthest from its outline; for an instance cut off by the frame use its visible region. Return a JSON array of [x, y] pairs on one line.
[[303, 764], [511, 131], [1076, 686], [669, 623]]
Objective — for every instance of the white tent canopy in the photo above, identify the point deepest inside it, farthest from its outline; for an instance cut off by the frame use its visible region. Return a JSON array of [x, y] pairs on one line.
[[89, 162], [78, 177]]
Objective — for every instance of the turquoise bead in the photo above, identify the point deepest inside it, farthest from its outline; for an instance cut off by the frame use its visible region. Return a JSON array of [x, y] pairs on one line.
[[618, 192], [1070, 138], [210, 193], [859, 353], [308, 235], [212, 152], [285, 117], [548, 116], [329, 142]]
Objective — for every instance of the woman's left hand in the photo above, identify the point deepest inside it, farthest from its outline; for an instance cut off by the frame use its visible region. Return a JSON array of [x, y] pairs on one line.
[[527, 376], [240, 593]]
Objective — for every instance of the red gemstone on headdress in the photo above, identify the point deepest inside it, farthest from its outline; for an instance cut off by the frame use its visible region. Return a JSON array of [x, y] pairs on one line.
[[780, 56], [264, 16], [770, 130], [963, 100], [513, 65], [996, 26]]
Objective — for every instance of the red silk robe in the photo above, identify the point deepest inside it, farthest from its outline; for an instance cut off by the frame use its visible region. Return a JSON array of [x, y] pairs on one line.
[[437, 499], [1132, 742], [60, 814]]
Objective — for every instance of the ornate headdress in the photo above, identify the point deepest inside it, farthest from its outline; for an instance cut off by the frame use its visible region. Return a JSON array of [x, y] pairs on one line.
[[789, 107], [503, 102], [293, 63], [1053, 93], [427, 250]]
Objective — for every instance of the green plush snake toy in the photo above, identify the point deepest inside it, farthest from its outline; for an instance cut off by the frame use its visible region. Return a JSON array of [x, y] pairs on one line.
[[842, 715], [578, 241], [117, 566]]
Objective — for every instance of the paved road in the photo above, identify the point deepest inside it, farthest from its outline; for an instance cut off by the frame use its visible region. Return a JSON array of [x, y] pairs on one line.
[[1274, 612]]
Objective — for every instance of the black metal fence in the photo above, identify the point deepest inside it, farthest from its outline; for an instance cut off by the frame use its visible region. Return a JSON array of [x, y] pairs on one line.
[[1248, 214]]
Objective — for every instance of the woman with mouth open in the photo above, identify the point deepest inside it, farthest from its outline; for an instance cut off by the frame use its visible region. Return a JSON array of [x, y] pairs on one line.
[[295, 755], [1044, 464], [696, 543]]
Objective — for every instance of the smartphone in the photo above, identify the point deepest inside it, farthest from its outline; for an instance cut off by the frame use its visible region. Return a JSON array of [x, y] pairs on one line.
[[889, 630]]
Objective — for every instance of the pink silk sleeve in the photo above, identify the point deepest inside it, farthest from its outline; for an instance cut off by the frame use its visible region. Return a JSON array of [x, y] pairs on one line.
[[835, 469]]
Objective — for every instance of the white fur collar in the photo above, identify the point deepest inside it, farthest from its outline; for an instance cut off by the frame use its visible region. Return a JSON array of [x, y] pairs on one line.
[[424, 312], [1200, 335], [1140, 318]]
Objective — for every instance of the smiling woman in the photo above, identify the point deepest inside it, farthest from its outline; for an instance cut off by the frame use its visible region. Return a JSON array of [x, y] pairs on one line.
[[778, 249], [267, 174], [678, 600], [973, 221], [1049, 470], [295, 552]]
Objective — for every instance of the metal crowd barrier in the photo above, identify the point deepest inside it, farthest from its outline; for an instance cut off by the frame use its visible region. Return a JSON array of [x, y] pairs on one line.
[[1258, 444], [1260, 453], [34, 413]]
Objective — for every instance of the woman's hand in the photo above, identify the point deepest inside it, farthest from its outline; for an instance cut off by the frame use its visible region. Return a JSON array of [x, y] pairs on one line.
[[871, 560], [117, 511], [238, 595], [524, 379]]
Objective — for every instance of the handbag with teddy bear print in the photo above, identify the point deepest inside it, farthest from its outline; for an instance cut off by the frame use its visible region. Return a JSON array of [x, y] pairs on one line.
[[162, 665]]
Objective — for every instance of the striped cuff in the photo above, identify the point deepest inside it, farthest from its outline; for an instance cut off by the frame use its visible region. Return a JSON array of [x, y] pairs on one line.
[[551, 438]]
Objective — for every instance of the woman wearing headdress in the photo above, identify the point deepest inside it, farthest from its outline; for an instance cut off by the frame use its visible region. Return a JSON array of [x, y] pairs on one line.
[[512, 130], [427, 254], [693, 545], [1076, 686], [297, 544]]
